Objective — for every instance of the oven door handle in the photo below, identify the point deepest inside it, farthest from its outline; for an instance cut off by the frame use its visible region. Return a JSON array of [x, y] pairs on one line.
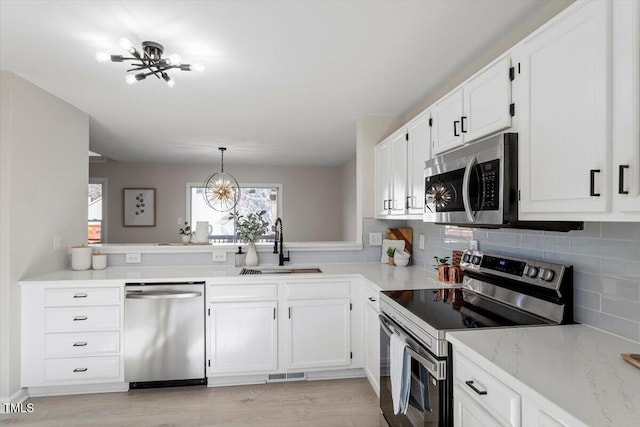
[[471, 215], [431, 366]]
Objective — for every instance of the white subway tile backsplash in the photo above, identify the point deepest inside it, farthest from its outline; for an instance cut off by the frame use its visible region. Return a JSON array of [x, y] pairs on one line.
[[546, 243], [504, 239], [605, 248], [616, 325], [586, 299], [621, 231], [629, 270], [622, 308]]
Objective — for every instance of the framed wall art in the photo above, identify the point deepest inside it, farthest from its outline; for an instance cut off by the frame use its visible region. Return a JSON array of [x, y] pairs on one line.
[[139, 207]]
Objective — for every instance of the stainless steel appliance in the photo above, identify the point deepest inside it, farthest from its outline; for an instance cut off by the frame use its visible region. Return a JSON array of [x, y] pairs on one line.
[[477, 186], [497, 291], [164, 334]]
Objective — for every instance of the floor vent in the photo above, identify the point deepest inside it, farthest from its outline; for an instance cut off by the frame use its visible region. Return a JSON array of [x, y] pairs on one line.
[[293, 376]]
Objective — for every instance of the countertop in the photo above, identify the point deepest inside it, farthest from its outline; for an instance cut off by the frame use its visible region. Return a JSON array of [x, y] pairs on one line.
[[576, 367], [382, 275]]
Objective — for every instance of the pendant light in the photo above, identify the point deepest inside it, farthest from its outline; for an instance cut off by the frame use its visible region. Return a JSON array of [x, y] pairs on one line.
[[221, 190]]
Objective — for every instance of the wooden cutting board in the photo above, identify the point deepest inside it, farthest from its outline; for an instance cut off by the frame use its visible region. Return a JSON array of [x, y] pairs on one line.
[[405, 234]]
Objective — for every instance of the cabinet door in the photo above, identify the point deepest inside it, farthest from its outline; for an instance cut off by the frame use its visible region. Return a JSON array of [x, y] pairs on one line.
[[383, 177], [418, 151], [372, 354], [399, 173], [446, 114], [467, 413], [565, 133], [319, 333], [243, 337], [487, 98], [626, 108]]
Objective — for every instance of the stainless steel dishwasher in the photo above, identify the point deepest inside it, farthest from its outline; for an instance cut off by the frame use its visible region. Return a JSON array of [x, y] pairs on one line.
[[164, 334]]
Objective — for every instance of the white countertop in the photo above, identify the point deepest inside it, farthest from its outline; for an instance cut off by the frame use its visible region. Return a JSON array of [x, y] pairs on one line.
[[576, 367], [382, 275]]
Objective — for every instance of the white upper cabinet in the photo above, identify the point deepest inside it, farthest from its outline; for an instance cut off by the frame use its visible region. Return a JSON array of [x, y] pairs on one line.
[[578, 93], [383, 177], [480, 107], [398, 198], [418, 151]]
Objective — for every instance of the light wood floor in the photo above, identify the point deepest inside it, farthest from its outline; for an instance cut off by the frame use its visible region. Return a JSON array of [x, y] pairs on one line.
[[349, 402]]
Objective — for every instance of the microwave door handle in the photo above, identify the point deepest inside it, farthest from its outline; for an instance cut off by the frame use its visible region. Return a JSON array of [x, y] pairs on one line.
[[471, 215]]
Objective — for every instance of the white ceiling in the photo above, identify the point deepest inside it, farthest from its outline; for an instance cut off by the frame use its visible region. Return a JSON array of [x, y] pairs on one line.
[[285, 81]]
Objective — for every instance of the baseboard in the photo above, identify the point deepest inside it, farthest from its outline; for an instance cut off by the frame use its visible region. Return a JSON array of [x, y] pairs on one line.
[[16, 398], [236, 380], [67, 390], [336, 374]]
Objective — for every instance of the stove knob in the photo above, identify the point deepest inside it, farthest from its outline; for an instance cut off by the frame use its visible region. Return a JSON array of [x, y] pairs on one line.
[[475, 260], [546, 275], [531, 272], [466, 257]]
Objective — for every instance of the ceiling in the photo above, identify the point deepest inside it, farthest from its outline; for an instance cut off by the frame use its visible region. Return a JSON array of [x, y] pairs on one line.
[[285, 81]]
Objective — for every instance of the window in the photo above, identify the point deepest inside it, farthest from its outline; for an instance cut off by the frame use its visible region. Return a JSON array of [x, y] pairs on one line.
[[97, 207], [253, 198]]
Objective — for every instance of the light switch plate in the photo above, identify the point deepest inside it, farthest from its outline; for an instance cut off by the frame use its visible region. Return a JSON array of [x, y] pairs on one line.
[[421, 242], [219, 256], [473, 245], [57, 243], [375, 239], [133, 258]]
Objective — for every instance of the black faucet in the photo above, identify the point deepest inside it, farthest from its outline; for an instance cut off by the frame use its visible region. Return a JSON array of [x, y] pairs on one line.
[[279, 235]]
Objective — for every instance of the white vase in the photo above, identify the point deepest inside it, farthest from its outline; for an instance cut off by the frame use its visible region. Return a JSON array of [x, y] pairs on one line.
[[252, 256], [186, 239]]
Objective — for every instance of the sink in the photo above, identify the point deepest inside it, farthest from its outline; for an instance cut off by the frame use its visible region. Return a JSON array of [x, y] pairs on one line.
[[307, 270]]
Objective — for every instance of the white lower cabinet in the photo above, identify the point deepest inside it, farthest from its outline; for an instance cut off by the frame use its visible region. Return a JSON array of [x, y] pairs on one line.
[[372, 337], [243, 337], [318, 324], [468, 413], [71, 335]]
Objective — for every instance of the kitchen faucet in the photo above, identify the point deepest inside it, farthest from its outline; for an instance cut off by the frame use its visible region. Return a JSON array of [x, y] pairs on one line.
[[279, 236]]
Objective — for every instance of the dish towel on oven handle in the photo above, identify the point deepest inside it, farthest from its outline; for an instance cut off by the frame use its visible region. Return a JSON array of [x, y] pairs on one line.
[[400, 372]]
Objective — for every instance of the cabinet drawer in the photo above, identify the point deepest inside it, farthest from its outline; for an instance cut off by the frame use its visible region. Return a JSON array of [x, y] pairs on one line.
[[69, 319], [318, 289], [263, 291], [57, 297], [82, 369], [81, 343], [372, 297], [490, 393]]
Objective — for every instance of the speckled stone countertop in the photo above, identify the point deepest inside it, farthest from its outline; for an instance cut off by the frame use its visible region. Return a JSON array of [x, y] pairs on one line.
[[576, 367]]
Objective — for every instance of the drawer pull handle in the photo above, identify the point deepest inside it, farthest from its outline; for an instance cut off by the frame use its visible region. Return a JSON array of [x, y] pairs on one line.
[[80, 295], [80, 344], [79, 318], [80, 370], [372, 299], [474, 388]]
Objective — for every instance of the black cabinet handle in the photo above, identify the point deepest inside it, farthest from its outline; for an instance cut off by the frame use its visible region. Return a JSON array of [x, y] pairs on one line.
[[455, 128], [592, 185], [384, 205], [75, 319], [474, 388], [80, 370], [372, 299], [621, 169], [462, 119], [79, 295]]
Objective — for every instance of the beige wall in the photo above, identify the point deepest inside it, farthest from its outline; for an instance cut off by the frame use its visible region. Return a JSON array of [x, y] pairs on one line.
[[43, 193], [349, 202], [312, 197]]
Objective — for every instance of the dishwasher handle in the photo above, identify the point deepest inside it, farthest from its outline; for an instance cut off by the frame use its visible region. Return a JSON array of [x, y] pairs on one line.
[[162, 294]]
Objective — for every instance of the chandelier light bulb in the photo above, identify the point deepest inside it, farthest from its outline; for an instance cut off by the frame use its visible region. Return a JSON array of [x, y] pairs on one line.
[[174, 59], [102, 57], [130, 79], [126, 44], [197, 67], [171, 83]]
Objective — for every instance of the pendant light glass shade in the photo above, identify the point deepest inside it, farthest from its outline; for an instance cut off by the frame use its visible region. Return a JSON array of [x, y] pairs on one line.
[[221, 190]]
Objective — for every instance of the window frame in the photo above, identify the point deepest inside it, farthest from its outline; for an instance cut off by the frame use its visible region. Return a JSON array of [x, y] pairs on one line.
[[105, 200], [190, 185]]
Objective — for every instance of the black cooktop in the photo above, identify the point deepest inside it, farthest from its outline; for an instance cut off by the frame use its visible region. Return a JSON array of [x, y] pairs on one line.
[[449, 309]]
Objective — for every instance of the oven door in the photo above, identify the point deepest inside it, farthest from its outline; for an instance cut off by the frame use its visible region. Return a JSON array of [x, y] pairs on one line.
[[429, 404]]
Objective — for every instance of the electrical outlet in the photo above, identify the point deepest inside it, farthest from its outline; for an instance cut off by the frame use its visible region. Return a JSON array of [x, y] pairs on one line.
[[219, 256], [57, 243], [375, 239], [421, 242], [133, 258], [473, 245], [180, 222]]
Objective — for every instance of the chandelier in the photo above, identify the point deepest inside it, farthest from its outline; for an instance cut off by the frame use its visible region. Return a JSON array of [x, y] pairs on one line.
[[221, 190], [149, 62]]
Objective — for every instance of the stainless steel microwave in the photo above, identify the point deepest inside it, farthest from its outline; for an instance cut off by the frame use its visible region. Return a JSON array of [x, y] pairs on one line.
[[477, 186]]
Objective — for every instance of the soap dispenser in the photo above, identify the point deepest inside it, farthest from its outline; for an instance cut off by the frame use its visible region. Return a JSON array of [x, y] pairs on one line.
[[240, 257]]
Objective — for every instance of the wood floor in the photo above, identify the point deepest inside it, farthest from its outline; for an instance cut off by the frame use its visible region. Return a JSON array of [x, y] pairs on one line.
[[349, 402]]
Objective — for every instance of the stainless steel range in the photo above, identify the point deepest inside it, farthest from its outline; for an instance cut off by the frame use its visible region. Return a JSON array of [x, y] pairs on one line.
[[497, 291]]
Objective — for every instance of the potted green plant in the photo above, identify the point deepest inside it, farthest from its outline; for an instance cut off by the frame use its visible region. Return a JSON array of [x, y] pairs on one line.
[[442, 265], [250, 228], [390, 253], [185, 232]]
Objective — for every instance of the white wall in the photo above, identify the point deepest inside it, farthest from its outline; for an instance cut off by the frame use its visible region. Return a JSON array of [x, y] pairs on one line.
[[43, 193], [349, 195], [312, 196]]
